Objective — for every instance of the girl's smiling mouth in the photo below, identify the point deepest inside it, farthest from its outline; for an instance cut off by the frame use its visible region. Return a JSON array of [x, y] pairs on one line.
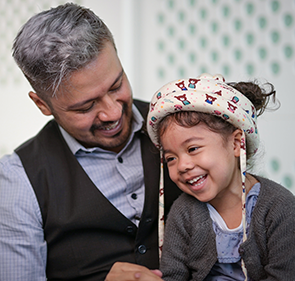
[[197, 180]]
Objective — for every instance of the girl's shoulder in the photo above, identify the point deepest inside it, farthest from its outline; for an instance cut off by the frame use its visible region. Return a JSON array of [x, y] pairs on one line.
[[188, 201], [272, 189], [274, 198], [188, 207]]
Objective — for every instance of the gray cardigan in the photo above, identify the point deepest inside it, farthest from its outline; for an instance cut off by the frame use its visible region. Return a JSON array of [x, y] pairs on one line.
[[189, 250]]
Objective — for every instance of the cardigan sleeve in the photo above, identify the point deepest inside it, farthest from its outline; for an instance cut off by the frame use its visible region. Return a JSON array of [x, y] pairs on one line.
[[189, 250], [176, 240], [269, 252], [280, 226]]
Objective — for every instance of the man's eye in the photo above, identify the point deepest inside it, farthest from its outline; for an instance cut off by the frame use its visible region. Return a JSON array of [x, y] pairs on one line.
[[84, 110], [116, 88]]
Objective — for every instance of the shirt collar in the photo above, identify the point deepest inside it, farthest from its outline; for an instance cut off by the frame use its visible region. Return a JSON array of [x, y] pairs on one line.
[[75, 146]]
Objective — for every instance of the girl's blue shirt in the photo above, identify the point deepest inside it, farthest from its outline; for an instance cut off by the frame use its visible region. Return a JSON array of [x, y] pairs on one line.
[[228, 241]]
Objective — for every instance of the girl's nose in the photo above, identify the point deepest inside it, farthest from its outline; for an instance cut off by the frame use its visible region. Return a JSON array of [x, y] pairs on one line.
[[185, 164]]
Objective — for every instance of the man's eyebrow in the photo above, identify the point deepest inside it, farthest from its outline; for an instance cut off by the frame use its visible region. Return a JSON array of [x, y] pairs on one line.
[[118, 78], [79, 104]]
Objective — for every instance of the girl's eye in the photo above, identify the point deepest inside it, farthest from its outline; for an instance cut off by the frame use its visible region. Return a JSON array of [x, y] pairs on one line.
[[169, 159], [192, 149], [85, 110]]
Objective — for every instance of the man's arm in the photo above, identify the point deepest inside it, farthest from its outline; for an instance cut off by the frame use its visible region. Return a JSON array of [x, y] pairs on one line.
[[22, 246]]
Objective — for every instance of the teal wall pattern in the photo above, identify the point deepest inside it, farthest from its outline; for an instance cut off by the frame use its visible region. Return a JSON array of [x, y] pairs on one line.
[[219, 35], [241, 39]]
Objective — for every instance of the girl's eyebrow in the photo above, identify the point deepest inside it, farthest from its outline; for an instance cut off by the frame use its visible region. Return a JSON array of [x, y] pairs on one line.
[[184, 142]]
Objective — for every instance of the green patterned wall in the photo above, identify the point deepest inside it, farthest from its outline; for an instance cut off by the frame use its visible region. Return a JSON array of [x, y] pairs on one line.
[[242, 40], [219, 35]]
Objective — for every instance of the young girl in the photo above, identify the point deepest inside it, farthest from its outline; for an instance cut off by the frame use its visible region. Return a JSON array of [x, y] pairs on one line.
[[228, 224]]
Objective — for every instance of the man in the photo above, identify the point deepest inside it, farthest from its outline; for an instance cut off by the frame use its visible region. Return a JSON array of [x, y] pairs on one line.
[[83, 193]]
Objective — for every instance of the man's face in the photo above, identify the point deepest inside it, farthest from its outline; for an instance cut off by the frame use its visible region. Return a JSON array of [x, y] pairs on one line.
[[95, 105]]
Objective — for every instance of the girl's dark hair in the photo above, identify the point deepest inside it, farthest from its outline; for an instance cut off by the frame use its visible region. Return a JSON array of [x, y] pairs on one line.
[[258, 95]]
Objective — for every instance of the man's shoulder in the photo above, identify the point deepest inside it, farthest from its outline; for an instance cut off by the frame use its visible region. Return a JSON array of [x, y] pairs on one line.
[[138, 102], [9, 162], [142, 106], [45, 133], [12, 163]]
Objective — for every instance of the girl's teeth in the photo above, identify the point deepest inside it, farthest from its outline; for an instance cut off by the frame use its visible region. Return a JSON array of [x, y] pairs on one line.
[[195, 179]]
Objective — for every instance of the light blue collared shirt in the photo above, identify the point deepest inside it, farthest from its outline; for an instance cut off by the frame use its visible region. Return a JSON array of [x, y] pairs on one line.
[[119, 177]]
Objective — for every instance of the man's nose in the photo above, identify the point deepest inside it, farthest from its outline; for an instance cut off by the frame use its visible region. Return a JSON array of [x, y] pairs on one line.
[[109, 109]]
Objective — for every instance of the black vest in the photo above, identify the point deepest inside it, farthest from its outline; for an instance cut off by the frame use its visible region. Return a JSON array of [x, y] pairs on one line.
[[85, 234]]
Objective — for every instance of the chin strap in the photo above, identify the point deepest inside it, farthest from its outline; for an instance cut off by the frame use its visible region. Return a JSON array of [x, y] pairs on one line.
[[243, 166], [161, 206]]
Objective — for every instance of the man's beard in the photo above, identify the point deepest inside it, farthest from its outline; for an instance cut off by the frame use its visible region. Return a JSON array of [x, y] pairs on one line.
[[122, 136]]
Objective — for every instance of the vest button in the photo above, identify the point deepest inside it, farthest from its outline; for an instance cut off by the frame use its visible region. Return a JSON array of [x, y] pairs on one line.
[[129, 229], [142, 249], [120, 159]]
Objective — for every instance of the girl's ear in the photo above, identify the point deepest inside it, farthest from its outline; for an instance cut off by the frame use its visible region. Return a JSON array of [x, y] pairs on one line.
[[237, 136]]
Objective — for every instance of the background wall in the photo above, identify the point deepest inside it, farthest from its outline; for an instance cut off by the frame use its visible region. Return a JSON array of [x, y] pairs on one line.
[[163, 40]]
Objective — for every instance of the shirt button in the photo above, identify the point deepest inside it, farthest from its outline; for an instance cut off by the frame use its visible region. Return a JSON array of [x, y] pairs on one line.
[[120, 159], [142, 249], [134, 196]]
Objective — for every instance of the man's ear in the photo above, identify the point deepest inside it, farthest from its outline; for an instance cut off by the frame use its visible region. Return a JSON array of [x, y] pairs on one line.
[[42, 105], [237, 136]]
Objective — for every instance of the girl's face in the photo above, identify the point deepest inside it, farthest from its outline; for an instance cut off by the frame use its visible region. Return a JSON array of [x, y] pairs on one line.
[[201, 162]]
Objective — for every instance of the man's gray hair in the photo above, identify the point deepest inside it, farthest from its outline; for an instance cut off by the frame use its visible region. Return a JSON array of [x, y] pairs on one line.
[[56, 42]]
